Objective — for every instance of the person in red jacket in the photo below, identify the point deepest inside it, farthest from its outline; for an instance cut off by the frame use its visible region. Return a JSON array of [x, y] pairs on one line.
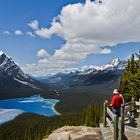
[[117, 101]]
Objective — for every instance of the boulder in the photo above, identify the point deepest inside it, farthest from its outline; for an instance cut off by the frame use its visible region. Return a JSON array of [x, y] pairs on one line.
[[75, 133]]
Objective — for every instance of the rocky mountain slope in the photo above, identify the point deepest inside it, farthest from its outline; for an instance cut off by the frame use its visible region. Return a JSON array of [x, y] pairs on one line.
[[9, 70], [14, 82]]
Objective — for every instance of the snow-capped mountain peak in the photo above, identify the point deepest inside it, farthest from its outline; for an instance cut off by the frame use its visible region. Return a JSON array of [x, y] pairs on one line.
[[115, 64], [10, 68], [1, 53], [110, 66]]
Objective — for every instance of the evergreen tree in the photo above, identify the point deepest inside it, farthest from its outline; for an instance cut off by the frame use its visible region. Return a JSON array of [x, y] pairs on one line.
[[130, 79]]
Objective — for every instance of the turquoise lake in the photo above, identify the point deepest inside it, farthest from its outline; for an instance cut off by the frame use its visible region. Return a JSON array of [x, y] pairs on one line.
[[11, 108]]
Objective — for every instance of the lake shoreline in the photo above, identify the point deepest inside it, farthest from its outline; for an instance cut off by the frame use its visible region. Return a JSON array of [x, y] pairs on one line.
[[37, 104]]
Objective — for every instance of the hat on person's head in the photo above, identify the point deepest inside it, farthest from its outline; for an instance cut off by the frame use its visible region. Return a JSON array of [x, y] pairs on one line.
[[115, 91]]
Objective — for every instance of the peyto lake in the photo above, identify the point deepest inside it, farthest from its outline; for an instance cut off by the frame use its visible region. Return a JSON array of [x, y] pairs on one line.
[[11, 108]]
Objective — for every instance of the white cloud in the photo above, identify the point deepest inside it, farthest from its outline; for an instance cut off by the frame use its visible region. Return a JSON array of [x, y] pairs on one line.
[[43, 61], [6, 32], [30, 34], [18, 32], [87, 28], [43, 68], [91, 26], [33, 24], [42, 54], [56, 28], [106, 51]]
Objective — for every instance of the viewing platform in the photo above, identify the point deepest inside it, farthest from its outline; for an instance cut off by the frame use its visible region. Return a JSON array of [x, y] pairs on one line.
[[125, 127]]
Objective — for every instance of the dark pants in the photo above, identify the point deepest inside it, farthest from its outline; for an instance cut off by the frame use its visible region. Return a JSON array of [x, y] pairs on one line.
[[116, 111]]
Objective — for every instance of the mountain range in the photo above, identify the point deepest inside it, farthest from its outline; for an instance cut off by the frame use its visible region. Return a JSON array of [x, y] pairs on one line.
[[11, 74], [88, 75]]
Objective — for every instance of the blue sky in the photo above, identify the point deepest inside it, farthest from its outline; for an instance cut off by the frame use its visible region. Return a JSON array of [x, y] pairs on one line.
[[83, 33]]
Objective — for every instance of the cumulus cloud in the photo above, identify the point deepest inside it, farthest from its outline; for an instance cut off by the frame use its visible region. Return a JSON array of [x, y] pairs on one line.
[[18, 32], [91, 26], [87, 28], [106, 51], [43, 61], [30, 34], [56, 28], [33, 24], [42, 54], [6, 32]]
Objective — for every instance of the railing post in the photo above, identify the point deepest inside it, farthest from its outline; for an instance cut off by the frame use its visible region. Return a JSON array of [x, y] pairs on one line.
[[133, 100], [104, 115], [121, 124], [116, 118], [139, 109]]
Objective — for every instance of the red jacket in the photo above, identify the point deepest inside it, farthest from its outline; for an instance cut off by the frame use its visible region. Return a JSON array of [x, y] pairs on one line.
[[117, 101]]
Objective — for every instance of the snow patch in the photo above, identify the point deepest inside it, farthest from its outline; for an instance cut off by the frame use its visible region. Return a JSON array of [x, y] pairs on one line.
[[26, 83], [1, 53], [9, 114]]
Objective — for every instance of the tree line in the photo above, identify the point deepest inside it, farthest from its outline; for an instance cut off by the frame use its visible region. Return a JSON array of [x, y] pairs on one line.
[[30, 126]]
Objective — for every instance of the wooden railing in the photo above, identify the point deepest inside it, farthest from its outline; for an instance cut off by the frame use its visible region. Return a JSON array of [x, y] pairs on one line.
[[134, 107], [116, 123]]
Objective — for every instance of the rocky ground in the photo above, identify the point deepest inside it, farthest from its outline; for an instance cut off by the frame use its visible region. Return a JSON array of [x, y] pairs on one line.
[[75, 133]]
